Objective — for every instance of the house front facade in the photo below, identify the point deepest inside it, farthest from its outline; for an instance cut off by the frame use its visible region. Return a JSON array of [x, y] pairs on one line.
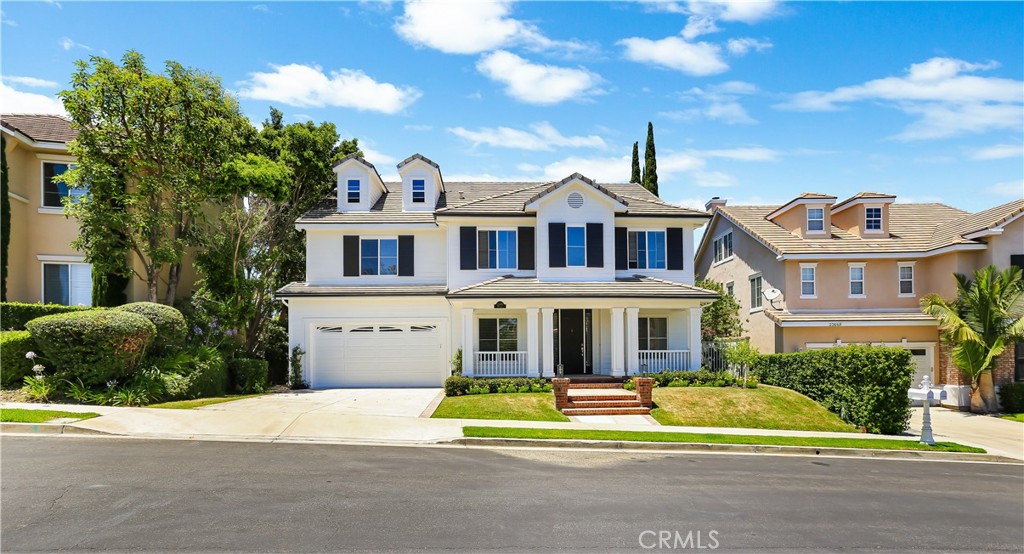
[[816, 272], [526, 279]]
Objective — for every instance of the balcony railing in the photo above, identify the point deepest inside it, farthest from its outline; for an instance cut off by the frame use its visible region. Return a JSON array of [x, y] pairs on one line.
[[500, 364], [665, 360]]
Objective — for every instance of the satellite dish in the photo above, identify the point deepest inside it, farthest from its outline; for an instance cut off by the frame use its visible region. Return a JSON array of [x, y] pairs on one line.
[[772, 295]]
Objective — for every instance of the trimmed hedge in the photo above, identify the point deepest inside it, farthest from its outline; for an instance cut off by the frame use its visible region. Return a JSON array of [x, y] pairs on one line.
[[195, 373], [14, 366], [1011, 398], [457, 385], [95, 346], [249, 375], [866, 385], [699, 378], [14, 315], [170, 324]]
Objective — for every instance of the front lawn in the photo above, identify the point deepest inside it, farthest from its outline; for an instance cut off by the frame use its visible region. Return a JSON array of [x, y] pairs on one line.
[[1013, 417], [19, 415], [200, 402], [530, 406], [711, 438], [761, 408]]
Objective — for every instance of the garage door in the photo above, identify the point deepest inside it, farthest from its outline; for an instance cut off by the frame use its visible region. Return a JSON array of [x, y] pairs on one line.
[[380, 355]]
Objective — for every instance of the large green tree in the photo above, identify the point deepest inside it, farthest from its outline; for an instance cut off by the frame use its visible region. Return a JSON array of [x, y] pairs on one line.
[[720, 319], [986, 316], [5, 218], [635, 176], [149, 147], [650, 175]]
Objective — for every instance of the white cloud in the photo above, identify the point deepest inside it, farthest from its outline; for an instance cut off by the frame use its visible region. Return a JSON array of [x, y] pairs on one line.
[[1013, 189], [941, 93], [998, 152], [308, 86], [542, 136], [376, 157], [30, 81], [473, 27], [719, 103], [689, 166], [261, 8], [704, 14], [6, 20], [743, 154], [68, 44], [538, 83], [16, 101], [740, 46], [699, 59]]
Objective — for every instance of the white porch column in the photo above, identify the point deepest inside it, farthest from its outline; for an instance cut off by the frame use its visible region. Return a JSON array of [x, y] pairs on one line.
[[468, 342], [632, 341], [547, 340], [618, 344], [695, 345], [532, 353]]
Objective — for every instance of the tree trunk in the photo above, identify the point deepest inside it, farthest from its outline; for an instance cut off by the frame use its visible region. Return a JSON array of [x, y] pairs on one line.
[[988, 391], [977, 403], [152, 280], [172, 283]]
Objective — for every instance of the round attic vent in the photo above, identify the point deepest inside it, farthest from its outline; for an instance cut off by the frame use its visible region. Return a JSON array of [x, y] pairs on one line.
[[575, 200]]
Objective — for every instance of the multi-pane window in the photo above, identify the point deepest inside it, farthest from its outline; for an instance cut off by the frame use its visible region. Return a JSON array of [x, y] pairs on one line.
[[857, 280], [807, 278], [653, 332], [646, 249], [906, 278], [353, 191], [419, 191], [499, 334], [815, 219], [755, 292], [378, 256], [723, 247], [54, 193], [67, 284], [496, 249], [873, 219], [576, 246], [730, 288]]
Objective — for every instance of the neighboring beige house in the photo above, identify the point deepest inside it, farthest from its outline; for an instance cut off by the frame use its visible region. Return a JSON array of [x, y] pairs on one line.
[[814, 272], [42, 266]]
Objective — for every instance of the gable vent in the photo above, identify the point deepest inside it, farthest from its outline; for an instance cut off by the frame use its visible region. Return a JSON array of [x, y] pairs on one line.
[[575, 200]]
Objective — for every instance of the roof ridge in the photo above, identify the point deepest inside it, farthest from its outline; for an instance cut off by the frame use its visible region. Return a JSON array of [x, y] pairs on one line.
[[493, 196]]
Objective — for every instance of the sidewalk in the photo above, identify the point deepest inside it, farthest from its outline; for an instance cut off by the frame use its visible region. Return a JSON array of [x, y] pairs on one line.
[[996, 435]]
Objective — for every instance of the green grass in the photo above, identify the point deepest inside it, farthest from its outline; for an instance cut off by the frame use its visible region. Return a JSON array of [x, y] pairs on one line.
[[529, 406], [200, 402], [18, 415], [761, 408], [1013, 417], [710, 438]]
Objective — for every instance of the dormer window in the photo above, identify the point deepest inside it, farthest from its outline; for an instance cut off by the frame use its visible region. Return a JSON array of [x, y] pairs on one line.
[[353, 191], [815, 220], [873, 219], [419, 191]]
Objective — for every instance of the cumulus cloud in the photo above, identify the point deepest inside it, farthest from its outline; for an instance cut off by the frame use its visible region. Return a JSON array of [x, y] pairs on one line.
[[542, 136], [719, 102], [16, 101], [698, 59], [538, 83], [309, 86], [998, 152], [740, 46], [30, 81]]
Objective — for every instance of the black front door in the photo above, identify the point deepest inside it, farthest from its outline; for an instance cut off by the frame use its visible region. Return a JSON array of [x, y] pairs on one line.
[[572, 341]]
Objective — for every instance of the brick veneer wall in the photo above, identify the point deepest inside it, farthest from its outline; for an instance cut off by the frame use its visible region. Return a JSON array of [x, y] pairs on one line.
[[1002, 372], [644, 390], [561, 389]]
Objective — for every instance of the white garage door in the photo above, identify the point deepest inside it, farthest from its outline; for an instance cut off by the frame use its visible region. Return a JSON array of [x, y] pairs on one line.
[[380, 355]]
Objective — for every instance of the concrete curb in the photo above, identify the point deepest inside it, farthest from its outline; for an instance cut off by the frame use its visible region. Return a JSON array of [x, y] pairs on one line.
[[736, 448], [47, 429]]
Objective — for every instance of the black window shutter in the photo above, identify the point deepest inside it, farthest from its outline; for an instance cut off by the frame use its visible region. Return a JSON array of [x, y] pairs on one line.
[[406, 256], [350, 255], [621, 248], [674, 246], [467, 247], [556, 244], [595, 244], [527, 250]]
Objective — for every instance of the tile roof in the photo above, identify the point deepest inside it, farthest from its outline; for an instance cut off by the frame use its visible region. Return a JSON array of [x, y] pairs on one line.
[[303, 289], [583, 179], [637, 286], [40, 127], [863, 195], [420, 157], [783, 317]]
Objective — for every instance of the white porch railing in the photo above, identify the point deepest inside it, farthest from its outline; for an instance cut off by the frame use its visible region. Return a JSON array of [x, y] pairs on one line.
[[500, 364], [665, 360]]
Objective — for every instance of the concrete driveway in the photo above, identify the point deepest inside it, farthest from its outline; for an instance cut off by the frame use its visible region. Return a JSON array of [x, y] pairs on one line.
[[357, 402]]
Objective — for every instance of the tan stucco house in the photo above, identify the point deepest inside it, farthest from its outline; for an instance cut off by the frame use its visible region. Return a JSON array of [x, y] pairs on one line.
[[816, 272]]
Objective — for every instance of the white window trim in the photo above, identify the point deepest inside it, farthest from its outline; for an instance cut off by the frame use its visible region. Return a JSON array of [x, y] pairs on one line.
[[913, 279], [874, 231], [647, 230], [412, 191], [43, 208], [729, 284], [815, 281], [514, 230], [56, 261], [750, 280], [359, 192], [807, 219], [567, 227], [378, 239], [863, 281], [722, 238]]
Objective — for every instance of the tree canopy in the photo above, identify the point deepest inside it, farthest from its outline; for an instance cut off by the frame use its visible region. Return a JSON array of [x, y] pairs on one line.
[[650, 175]]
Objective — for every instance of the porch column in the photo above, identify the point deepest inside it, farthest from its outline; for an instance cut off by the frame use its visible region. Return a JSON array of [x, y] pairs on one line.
[[468, 342], [547, 341], [695, 344], [632, 341], [532, 355], [618, 344]]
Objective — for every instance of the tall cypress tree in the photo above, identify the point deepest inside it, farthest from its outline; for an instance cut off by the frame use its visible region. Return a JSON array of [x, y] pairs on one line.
[[635, 176], [5, 219], [650, 177]]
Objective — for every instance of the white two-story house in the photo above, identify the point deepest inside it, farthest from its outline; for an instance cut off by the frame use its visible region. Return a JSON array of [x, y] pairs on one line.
[[522, 277]]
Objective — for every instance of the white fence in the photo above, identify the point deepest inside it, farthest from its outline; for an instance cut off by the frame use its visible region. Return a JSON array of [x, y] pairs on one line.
[[665, 360], [500, 364]]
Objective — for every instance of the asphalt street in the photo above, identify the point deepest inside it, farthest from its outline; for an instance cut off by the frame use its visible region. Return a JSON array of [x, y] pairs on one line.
[[76, 494]]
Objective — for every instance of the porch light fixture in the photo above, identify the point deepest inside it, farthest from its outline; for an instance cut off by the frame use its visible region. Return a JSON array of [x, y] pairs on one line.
[[560, 370], [643, 369], [499, 305]]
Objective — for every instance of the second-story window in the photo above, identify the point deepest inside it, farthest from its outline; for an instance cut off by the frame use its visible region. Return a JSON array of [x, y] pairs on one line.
[[54, 193], [378, 256], [496, 249], [353, 191], [906, 279], [723, 247], [815, 220], [419, 191], [873, 219], [646, 249], [857, 279], [576, 246], [755, 292], [808, 288]]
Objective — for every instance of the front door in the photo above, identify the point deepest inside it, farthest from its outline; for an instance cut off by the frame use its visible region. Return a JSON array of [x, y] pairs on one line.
[[573, 340]]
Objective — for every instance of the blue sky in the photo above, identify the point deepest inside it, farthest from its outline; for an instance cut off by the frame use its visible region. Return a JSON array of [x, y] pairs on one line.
[[753, 101]]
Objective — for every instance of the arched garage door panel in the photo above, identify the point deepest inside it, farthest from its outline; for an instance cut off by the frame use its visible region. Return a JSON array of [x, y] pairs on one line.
[[381, 355]]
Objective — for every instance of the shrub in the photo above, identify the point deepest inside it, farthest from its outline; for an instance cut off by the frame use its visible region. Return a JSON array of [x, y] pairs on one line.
[[14, 315], [699, 378], [249, 375], [295, 379], [14, 366], [170, 324], [95, 346], [866, 385], [457, 385], [195, 372], [1011, 398]]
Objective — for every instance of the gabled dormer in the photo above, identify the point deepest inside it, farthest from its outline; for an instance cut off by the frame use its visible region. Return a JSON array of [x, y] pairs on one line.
[[422, 184], [807, 216], [359, 184], [865, 214]]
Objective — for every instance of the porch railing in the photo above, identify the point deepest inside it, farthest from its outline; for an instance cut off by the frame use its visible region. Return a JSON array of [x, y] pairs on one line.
[[665, 360], [500, 364]]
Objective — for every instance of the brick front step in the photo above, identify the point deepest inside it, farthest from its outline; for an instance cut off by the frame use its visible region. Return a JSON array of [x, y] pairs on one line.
[[601, 397], [595, 386], [604, 403], [606, 411]]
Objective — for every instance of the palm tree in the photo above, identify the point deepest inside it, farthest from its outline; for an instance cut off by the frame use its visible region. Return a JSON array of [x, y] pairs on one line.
[[986, 316]]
